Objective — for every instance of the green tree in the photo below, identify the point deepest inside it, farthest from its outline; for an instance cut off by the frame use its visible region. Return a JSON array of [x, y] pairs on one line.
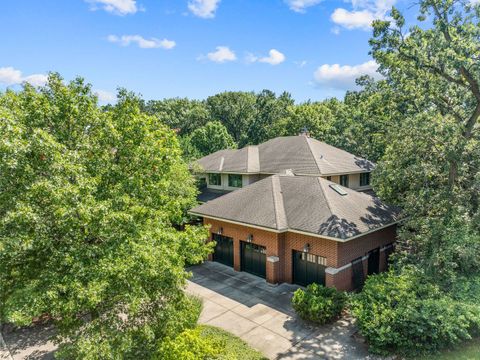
[[89, 203], [235, 110], [183, 115], [432, 161], [270, 110], [211, 137]]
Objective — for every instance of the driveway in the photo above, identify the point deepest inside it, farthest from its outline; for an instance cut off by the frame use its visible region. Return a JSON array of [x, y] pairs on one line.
[[261, 314]]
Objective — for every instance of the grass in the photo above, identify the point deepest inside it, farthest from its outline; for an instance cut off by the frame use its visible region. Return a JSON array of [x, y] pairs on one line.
[[234, 348], [471, 351]]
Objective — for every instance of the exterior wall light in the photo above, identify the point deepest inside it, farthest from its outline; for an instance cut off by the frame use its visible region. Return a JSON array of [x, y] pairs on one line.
[[250, 238], [220, 231], [306, 247]]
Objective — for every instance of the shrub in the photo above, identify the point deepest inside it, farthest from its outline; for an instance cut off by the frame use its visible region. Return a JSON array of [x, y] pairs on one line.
[[318, 303], [407, 314], [206, 343]]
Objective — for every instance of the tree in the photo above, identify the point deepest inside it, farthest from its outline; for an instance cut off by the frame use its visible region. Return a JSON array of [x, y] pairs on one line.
[[89, 204], [211, 137], [270, 110], [370, 113], [432, 161], [235, 110], [183, 115]]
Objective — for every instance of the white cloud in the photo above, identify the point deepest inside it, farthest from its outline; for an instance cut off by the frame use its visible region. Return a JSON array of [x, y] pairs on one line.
[[143, 43], [274, 57], [105, 96], [203, 8], [118, 7], [362, 14], [301, 5], [353, 19], [344, 76], [221, 54], [11, 76]]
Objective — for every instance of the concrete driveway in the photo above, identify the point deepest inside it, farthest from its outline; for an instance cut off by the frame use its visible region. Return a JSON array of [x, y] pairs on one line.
[[261, 314]]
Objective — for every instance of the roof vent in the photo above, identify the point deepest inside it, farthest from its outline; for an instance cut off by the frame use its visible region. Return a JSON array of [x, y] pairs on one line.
[[338, 189]]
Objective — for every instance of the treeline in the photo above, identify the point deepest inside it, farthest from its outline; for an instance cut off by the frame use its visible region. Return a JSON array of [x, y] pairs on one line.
[[358, 123]]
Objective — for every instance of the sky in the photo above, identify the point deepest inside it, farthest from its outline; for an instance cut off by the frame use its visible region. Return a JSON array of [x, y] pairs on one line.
[[313, 49]]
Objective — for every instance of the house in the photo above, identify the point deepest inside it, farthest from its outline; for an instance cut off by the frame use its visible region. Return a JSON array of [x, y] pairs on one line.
[[289, 219], [228, 170]]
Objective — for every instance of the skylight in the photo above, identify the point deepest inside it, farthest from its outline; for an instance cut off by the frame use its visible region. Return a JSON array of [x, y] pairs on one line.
[[338, 189]]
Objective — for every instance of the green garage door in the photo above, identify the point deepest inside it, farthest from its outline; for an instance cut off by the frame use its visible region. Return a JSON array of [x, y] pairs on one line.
[[223, 249], [254, 259], [308, 268]]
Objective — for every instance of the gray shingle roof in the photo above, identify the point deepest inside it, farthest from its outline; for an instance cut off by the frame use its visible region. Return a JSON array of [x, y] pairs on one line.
[[303, 203], [301, 154]]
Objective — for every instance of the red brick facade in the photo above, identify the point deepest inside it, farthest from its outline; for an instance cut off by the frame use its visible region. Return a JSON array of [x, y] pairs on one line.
[[280, 246]]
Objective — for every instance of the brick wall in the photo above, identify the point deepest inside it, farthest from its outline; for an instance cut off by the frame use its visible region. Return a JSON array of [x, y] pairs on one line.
[[282, 245]]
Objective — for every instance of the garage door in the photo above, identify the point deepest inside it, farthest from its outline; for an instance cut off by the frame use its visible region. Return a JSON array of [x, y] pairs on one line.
[[254, 259], [308, 268], [223, 249]]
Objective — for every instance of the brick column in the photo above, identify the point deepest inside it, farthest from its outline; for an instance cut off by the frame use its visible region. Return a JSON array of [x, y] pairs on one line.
[[273, 269], [236, 254]]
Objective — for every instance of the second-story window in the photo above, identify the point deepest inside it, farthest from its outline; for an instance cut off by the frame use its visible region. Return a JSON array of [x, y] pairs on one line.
[[215, 179], [344, 180], [234, 180], [365, 179]]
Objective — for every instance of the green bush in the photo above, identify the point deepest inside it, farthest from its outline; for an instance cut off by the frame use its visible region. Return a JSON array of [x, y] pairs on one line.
[[318, 303], [206, 343], [409, 315], [189, 345]]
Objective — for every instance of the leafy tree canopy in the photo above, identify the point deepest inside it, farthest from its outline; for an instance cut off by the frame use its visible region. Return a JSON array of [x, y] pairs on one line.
[[211, 137], [90, 204]]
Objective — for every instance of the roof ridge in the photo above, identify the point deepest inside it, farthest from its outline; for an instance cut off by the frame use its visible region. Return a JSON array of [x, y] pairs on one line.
[[320, 180], [313, 155], [278, 206]]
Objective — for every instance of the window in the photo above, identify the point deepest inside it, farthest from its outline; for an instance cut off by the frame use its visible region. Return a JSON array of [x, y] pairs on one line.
[[234, 180], [329, 178], [344, 180], [202, 183], [364, 179], [215, 179]]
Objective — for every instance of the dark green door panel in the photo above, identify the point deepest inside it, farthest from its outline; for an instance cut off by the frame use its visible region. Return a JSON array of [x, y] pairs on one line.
[[253, 259], [374, 261], [308, 268], [223, 249]]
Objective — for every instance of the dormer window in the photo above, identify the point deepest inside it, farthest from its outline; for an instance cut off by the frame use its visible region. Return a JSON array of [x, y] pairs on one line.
[[344, 180], [215, 179], [364, 179]]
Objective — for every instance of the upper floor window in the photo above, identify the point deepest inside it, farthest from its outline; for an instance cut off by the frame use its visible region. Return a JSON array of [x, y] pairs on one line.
[[364, 179], [234, 180], [344, 180], [215, 179]]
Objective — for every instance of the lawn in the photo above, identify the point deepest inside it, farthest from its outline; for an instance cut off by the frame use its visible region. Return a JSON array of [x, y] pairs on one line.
[[470, 351], [234, 348]]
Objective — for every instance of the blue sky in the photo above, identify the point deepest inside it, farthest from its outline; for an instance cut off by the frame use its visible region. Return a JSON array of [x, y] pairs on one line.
[[192, 48]]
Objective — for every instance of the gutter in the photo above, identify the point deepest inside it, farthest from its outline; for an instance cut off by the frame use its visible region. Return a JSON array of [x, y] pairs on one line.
[[280, 231]]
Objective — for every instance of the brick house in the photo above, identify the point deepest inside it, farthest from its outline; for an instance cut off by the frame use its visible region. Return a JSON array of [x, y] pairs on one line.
[[296, 225]]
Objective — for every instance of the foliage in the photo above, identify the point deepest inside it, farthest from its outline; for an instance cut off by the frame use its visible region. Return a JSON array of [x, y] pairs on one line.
[[184, 115], [431, 166], [206, 342], [235, 110], [408, 314], [210, 138], [318, 303], [90, 204]]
